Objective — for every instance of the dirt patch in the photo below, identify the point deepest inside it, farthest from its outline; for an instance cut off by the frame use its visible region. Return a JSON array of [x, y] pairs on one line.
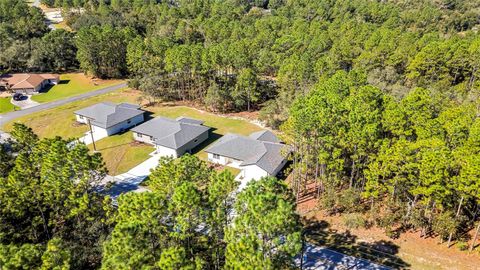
[[409, 251], [77, 124], [137, 144]]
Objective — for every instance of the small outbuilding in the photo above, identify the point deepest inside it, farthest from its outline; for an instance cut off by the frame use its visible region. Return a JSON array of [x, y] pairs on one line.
[[172, 137], [109, 118]]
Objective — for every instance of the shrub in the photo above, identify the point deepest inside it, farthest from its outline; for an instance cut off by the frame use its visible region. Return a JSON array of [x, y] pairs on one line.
[[462, 246], [354, 221], [328, 200], [349, 200], [443, 224]]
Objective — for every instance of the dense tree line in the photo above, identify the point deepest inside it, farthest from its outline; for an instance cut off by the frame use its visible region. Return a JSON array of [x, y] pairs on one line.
[[411, 162], [235, 55], [239, 55], [53, 214], [26, 43]]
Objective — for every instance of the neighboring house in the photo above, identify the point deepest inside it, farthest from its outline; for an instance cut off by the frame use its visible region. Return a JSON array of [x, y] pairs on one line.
[[27, 83], [258, 155], [108, 118], [172, 137]]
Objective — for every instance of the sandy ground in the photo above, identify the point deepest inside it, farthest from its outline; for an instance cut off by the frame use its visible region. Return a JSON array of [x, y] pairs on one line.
[[412, 250]]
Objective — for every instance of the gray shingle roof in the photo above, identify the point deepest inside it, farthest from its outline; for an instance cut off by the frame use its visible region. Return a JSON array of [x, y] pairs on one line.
[[107, 114], [171, 133], [189, 120], [266, 155], [265, 135]]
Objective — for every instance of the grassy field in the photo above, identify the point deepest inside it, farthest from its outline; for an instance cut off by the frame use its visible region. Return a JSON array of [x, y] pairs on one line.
[[119, 153], [60, 121], [73, 84], [5, 105]]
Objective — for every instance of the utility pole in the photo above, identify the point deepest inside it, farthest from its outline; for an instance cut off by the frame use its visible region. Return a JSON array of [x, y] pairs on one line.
[[91, 134]]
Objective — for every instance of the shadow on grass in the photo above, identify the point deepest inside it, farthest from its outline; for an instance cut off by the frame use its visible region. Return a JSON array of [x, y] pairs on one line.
[[49, 86], [380, 252]]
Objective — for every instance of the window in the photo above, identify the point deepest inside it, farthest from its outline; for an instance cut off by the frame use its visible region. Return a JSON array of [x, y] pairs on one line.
[[139, 135], [129, 121], [81, 117], [196, 140], [216, 156]]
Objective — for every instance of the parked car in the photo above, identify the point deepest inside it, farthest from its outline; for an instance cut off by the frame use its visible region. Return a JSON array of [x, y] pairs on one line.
[[17, 96]]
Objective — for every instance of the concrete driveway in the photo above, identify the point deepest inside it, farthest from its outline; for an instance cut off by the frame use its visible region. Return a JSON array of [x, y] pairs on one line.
[[130, 181], [87, 138], [25, 103]]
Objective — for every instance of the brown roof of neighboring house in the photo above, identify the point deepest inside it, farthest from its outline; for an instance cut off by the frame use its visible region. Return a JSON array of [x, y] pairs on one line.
[[26, 80]]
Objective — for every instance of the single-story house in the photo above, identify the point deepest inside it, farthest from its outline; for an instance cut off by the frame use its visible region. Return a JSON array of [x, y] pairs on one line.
[[258, 155], [27, 83], [109, 118], [172, 137]]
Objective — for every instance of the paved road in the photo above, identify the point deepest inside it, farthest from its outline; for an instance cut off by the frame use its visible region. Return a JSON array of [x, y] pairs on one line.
[[316, 257], [7, 117]]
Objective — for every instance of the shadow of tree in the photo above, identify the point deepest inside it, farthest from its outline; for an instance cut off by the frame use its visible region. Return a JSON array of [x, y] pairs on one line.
[[380, 252]]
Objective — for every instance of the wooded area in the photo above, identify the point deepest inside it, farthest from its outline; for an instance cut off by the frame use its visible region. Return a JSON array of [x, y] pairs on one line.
[[54, 215], [379, 100]]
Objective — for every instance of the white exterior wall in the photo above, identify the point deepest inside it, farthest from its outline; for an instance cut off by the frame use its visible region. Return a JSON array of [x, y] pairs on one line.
[[81, 119], [125, 125], [221, 160], [100, 132], [164, 151], [143, 138], [252, 172], [225, 161]]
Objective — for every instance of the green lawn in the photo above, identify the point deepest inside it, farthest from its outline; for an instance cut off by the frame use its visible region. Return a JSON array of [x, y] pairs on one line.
[[72, 84], [221, 125], [5, 105], [118, 151], [121, 153], [60, 121], [234, 171]]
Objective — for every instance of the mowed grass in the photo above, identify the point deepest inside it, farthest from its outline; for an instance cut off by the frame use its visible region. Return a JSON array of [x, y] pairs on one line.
[[118, 151], [72, 84], [6, 105], [220, 125], [121, 153], [60, 121]]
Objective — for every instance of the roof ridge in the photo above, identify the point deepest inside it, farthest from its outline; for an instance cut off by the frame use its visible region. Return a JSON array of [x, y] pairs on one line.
[[28, 76], [265, 151]]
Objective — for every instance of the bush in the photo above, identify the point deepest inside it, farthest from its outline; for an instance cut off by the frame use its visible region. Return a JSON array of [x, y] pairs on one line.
[[354, 221], [349, 201], [462, 246], [443, 224], [328, 200]]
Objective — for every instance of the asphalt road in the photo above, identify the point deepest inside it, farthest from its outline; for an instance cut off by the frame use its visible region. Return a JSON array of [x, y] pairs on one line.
[[322, 258], [7, 117]]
